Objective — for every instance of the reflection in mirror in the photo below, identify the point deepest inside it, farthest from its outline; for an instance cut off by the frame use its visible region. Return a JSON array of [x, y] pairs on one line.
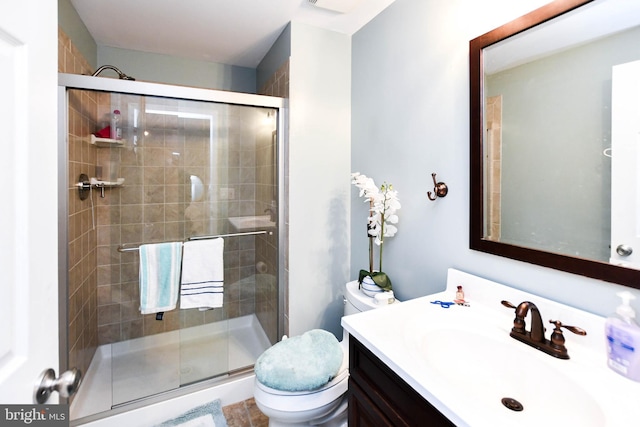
[[552, 108]]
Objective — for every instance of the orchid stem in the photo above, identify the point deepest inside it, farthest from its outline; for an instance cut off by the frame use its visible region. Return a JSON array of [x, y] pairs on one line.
[[370, 254], [381, 241], [370, 241]]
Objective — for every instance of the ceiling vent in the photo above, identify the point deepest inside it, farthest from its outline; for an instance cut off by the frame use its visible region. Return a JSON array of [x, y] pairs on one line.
[[342, 6]]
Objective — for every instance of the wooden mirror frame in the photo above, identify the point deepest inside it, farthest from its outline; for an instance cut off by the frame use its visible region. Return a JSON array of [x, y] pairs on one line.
[[580, 266]]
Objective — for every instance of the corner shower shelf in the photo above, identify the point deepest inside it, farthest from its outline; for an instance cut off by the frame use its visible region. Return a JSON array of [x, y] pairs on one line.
[[99, 183], [84, 184], [106, 142], [95, 182]]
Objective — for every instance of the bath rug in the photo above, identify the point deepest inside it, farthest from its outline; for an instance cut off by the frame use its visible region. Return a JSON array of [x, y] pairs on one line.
[[207, 415]]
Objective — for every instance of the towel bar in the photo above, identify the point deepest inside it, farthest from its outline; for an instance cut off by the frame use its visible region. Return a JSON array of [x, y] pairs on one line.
[[122, 248]]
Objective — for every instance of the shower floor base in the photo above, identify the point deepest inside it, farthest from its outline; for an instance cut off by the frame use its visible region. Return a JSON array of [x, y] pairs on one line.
[[130, 370]]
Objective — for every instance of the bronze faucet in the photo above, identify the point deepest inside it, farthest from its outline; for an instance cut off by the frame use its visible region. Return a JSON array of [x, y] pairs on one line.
[[535, 338]]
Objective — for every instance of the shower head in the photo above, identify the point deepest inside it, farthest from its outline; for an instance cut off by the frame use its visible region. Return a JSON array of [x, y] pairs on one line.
[[121, 75]]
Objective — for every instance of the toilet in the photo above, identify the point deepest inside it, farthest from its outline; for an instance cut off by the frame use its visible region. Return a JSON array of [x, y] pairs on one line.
[[320, 399]]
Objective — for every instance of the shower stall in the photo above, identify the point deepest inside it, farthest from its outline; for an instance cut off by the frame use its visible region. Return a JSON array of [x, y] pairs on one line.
[[187, 164]]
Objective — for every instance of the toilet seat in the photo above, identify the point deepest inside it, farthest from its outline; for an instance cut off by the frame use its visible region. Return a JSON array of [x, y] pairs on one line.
[[321, 401], [303, 363], [299, 401], [342, 375]]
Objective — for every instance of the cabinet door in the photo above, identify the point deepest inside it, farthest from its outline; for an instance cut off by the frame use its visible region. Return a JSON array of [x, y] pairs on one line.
[[382, 397], [362, 411]]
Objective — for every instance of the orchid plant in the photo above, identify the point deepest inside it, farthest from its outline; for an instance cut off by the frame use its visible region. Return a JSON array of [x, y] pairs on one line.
[[383, 204]]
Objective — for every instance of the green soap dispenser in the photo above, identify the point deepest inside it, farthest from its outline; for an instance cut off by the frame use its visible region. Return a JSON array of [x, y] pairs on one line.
[[623, 339]]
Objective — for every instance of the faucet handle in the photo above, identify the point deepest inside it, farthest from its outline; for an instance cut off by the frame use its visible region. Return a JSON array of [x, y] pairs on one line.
[[518, 322], [508, 304], [557, 338], [576, 330]]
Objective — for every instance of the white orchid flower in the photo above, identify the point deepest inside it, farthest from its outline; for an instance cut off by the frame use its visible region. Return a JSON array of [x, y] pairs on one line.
[[390, 230], [383, 204], [392, 219], [366, 185]]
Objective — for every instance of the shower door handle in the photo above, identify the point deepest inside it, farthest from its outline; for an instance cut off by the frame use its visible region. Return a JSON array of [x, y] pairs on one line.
[[66, 384]]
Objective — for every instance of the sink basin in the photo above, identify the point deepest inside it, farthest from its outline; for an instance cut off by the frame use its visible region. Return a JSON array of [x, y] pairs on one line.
[[243, 223], [505, 376]]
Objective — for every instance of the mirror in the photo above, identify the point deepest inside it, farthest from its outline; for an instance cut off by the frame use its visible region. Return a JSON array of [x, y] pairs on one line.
[[555, 121]]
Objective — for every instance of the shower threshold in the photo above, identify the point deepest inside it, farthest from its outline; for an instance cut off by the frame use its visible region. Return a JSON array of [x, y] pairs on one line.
[[130, 371]]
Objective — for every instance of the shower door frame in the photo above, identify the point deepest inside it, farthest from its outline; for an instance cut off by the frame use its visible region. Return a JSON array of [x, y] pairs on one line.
[[82, 82]]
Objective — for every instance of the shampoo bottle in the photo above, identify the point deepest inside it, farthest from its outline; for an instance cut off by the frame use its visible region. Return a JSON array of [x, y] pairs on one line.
[[116, 129], [623, 340]]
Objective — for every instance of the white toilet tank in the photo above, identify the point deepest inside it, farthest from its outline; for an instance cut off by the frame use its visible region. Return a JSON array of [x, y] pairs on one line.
[[355, 301]]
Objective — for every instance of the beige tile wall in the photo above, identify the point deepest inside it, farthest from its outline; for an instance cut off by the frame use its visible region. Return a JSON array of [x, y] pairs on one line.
[[494, 178], [82, 334], [278, 84]]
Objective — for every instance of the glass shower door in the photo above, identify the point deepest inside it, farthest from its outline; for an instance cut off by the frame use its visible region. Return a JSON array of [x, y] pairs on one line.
[[144, 367], [204, 350]]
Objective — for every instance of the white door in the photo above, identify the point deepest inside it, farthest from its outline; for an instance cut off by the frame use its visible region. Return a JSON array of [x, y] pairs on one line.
[[28, 196], [625, 165]]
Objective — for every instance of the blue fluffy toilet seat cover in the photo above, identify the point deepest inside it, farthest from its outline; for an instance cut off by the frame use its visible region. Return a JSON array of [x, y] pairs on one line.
[[302, 363]]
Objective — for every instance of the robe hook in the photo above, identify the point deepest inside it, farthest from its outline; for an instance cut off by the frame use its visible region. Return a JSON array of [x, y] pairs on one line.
[[439, 188]]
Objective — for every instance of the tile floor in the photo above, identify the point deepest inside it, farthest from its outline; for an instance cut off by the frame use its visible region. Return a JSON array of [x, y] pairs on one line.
[[245, 414]]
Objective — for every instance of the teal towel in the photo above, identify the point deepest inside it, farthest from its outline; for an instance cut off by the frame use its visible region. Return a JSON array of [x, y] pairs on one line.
[[159, 276], [301, 363]]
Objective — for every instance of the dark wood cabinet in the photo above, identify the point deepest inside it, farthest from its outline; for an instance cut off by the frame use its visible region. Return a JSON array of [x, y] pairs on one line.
[[379, 397]]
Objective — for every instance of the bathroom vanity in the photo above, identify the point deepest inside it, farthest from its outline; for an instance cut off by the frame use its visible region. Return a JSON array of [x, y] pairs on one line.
[[377, 396], [417, 363]]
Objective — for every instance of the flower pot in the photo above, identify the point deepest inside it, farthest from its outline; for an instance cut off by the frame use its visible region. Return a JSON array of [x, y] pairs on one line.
[[369, 287]]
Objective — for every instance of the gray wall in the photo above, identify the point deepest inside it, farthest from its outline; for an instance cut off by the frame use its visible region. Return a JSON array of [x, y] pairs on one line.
[[319, 160], [556, 124], [410, 117], [72, 25], [273, 60], [154, 67]]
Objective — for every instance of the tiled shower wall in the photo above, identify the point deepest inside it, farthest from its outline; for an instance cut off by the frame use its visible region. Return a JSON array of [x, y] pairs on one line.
[[83, 332]]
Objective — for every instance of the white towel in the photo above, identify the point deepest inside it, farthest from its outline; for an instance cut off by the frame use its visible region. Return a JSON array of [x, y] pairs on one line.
[[202, 274], [159, 276]]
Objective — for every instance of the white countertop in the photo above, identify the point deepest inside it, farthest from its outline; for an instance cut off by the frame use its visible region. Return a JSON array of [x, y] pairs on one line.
[[462, 359]]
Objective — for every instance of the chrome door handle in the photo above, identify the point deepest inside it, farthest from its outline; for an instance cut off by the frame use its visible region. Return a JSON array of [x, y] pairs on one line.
[[624, 250], [66, 384]]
